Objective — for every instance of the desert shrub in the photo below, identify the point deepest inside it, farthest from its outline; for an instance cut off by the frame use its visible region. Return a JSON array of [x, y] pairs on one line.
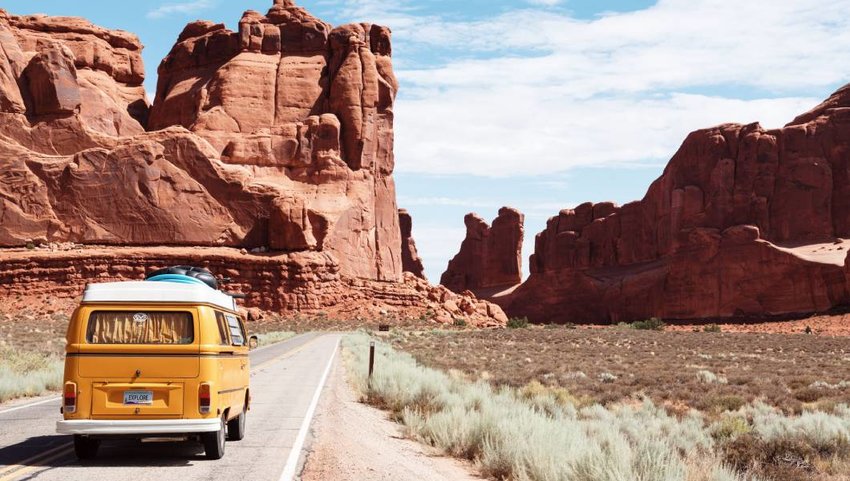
[[24, 373], [825, 385], [708, 377], [518, 322], [724, 403], [827, 434], [549, 399], [274, 337], [651, 324], [509, 436], [809, 394], [459, 322], [730, 427], [570, 325], [607, 378], [712, 328], [427, 315]]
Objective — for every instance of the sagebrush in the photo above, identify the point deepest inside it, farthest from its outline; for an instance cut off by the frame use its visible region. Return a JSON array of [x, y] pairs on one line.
[[536, 436]]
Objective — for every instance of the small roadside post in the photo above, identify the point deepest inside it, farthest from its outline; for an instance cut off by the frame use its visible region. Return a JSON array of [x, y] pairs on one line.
[[371, 360]]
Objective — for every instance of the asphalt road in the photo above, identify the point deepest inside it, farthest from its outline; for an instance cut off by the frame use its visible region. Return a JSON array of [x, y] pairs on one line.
[[286, 380]]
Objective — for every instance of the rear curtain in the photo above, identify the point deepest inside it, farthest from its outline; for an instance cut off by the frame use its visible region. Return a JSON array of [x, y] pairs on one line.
[[111, 327]]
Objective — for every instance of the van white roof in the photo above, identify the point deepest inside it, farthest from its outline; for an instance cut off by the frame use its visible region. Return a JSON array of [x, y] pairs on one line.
[[166, 292]]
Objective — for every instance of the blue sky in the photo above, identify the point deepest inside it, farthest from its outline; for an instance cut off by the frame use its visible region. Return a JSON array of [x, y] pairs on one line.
[[544, 104]]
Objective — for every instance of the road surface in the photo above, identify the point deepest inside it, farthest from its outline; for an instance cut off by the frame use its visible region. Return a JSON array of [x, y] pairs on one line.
[[286, 381]]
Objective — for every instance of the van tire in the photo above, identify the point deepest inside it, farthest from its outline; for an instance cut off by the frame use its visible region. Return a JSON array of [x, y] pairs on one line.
[[214, 441], [85, 447], [236, 427]]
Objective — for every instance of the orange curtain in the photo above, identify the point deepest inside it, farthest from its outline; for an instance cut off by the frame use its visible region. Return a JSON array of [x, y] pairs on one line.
[[111, 327]]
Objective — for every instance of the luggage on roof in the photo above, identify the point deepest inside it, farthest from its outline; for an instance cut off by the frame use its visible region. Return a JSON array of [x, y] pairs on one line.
[[183, 274]]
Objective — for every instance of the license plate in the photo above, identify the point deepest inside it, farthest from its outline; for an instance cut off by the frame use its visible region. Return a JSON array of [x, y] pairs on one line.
[[138, 397]]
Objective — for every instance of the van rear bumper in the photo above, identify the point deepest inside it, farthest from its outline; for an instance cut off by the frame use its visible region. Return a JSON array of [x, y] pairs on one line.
[[136, 426]]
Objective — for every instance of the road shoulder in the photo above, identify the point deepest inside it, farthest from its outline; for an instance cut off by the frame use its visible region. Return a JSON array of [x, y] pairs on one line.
[[352, 442]]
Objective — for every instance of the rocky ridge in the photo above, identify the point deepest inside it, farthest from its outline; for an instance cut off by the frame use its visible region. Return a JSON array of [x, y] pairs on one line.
[[744, 223], [276, 138]]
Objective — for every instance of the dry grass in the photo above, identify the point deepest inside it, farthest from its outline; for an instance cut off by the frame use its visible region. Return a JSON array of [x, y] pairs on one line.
[[273, 337], [25, 373], [773, 405], [708, 371], [532, 434]]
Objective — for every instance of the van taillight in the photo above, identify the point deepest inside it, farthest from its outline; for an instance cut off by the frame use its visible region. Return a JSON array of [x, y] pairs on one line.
[[204, 398], [70, 397]]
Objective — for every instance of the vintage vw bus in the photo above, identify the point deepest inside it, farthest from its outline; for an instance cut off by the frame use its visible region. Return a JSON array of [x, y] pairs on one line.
[[161, 358]]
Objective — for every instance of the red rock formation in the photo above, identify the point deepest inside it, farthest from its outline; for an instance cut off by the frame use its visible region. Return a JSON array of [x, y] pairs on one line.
[[741, 223], [489, 257], [272, 282], [410, 260], [278, 135], [289, 142], [61, 64]]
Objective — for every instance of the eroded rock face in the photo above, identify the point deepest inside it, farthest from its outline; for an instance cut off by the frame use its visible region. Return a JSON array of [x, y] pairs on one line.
[[60, 66], [489, 257], [741, 223], [278, 135], [410, 260], [299, 281]]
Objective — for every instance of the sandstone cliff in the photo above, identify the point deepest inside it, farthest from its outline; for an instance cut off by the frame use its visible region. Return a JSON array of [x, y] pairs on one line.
[[277, 137], [744, 222], [489, 257]]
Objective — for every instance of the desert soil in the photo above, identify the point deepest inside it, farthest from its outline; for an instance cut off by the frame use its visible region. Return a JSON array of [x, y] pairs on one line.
[[825, 325], [354, 442], [708, 371]]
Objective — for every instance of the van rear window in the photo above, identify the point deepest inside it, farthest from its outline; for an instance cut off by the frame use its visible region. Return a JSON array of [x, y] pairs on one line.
[[140, 327]]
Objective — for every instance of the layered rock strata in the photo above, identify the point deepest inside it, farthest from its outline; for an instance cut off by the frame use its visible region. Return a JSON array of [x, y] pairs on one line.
[[280, 283]]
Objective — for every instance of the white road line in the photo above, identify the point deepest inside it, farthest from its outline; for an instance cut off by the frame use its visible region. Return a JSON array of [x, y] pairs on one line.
[[25, 406], [295, 453]]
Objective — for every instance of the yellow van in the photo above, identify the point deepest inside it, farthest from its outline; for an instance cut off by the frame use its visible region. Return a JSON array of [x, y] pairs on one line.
[[161, 358]]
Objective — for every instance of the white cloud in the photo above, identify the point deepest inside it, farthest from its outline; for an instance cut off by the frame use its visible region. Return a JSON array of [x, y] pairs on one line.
[[549, 92], [184, 8], [545, 3], [503, 132], [405, 201]]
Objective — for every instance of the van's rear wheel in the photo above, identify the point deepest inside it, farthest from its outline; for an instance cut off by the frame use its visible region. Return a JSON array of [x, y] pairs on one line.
[[214, 442], [236, 427], [85, 447]]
